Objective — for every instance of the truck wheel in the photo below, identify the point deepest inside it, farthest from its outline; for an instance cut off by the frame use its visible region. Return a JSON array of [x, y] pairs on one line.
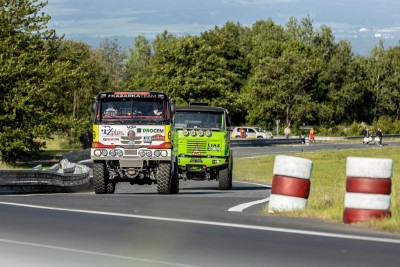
[[174, 180], [231, 171], [99, 178], [110, 188], [174, 184], [223, 179], [163, 176]]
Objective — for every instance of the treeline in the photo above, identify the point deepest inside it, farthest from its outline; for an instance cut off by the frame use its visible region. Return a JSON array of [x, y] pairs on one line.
[[294, 73]]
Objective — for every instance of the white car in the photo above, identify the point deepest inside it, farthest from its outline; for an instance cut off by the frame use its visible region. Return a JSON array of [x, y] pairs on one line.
[[251, 133]]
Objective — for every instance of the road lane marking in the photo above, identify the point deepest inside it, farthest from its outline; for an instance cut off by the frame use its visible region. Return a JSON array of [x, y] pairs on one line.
[[241, 207], [163, 263], [212, 223]]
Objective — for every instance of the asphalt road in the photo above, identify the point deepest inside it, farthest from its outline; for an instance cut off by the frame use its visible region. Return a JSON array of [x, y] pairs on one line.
[[201, 226]]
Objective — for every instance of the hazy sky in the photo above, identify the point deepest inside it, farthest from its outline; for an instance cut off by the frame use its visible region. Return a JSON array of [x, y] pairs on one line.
[[80, 19]]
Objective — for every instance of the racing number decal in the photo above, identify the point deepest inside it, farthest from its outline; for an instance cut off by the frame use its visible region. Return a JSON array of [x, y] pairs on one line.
[[95, 133], [167, 133]]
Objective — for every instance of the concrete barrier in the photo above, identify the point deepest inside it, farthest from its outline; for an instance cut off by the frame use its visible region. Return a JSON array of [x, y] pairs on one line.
[[368, 188], [290, 184]]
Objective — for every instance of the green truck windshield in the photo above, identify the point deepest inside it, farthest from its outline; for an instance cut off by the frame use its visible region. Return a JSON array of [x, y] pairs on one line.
[[194, 120]]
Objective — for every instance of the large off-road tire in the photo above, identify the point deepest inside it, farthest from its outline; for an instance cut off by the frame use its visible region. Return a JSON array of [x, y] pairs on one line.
[[99, 178], [230, 170], [223, 179], [174, 184], [110, 188], [174, 180], [163, 176]]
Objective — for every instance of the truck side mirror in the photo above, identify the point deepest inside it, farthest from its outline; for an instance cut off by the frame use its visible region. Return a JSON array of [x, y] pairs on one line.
[[173, 107]]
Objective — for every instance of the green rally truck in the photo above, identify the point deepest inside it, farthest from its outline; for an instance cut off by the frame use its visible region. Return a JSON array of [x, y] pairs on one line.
[[201, 144]]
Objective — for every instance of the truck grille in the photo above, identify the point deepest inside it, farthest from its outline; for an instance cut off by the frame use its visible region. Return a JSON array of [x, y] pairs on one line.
[[196, 147]]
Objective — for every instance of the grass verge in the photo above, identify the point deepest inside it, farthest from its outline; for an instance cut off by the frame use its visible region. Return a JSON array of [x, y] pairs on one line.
[[328, 182]]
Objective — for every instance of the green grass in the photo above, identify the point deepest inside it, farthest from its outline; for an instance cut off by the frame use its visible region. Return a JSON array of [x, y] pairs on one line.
[[328, 182]]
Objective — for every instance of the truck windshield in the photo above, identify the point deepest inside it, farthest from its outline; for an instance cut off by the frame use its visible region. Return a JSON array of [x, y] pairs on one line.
[[130, 108], [193, 120]]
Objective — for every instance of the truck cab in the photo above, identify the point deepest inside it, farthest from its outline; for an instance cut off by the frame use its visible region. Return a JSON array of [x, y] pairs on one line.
[[201, 144], [131, 140]]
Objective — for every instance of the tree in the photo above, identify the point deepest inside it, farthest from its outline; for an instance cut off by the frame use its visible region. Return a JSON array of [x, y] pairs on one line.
[[137, 68], [28, 51], [111, 56], [282, 88], [380, 69], [79, 77]]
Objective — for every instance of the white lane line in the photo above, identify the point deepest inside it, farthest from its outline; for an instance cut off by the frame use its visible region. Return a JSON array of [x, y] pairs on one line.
[[232, 225], [162, 263], [241, 207]]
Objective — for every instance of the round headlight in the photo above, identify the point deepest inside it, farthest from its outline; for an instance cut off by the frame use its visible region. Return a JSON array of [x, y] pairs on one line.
[[157, 153], [141, 153], [193, 132], [113, 153], [201, 132], [208, 133], [164, 153], [149, 153], [119, 153], [185, 132], [104, 152], [97, 153]]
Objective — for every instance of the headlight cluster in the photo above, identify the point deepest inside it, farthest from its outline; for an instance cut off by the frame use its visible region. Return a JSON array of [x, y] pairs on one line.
[[111, 153], [199, 132], [149, 153]]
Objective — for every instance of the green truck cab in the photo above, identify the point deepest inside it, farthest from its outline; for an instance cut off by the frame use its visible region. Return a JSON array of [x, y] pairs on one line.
[[201, 144]]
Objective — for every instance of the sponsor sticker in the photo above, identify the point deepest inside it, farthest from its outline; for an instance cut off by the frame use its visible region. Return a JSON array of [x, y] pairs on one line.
[[147, 139], [158, 137]]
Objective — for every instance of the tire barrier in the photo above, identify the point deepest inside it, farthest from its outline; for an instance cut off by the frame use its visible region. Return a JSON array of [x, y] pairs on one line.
[[290, 184], [64, 177], [368, 188]]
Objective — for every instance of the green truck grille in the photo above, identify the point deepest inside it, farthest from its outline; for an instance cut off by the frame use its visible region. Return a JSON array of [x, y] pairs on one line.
[[196, 147]]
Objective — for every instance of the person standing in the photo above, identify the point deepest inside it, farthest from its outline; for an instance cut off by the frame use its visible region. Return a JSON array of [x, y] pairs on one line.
[[287, 131], [312, 135], [379, 135], [241, 130], [86, 140]]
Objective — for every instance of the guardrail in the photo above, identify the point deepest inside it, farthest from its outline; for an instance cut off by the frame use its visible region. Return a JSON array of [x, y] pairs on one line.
[[64, 177], [238, 142]]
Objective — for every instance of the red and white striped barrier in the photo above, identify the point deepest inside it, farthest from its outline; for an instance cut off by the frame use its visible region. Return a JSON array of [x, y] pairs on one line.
[[368, 188], [290, 184]]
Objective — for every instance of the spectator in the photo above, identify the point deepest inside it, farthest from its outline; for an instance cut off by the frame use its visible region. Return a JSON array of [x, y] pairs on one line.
[[312, 135], [86, 140], [379, 135], [367, 133], [242, 134], [287, 131]]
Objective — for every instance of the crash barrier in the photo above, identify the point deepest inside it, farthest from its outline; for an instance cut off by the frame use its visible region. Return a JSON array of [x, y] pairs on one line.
[[290, 183], [63, 177], [368, 188], [241, 142]]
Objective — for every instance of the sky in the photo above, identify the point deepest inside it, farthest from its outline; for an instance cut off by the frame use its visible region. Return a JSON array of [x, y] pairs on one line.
[[362, 22]]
